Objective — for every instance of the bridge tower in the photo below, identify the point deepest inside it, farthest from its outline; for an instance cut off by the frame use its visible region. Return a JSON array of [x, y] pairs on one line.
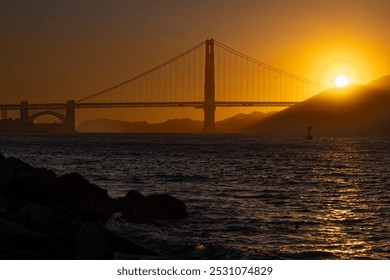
[[209, 89], [70, 122], [24, 114]]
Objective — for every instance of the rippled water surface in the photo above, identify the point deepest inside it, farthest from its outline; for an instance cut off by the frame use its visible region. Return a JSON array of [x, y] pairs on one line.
[[247, 196]]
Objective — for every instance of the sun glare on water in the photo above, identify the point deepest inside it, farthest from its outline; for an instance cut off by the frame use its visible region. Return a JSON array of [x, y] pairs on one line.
[[341, 81]]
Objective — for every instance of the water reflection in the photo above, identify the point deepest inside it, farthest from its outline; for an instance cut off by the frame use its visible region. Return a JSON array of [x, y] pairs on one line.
[[344, 223], [277, 198]]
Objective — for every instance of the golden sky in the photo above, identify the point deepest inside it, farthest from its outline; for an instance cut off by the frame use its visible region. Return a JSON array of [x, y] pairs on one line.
[[53, 50]]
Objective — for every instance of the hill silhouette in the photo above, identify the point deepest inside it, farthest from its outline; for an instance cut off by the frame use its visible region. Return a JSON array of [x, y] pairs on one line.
[[233, 124], [355, 110], [240, 122], [107, 125]]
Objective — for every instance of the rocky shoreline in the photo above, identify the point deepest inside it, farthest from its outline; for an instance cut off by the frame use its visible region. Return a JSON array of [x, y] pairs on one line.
[[45, 216]]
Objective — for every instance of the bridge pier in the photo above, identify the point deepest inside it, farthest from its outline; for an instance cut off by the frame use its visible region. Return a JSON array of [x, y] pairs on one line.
[[209, 90], [209, 119], [24, 114], [70, 121]]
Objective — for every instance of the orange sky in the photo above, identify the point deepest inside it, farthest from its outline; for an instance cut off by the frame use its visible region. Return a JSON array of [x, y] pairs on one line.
[[53, 50]]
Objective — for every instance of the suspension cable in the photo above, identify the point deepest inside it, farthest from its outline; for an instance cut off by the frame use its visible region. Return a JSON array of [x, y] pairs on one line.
[[255, 61], [143, 74]]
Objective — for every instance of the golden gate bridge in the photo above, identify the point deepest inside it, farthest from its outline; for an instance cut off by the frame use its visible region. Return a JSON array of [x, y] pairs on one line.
[[207, 76]]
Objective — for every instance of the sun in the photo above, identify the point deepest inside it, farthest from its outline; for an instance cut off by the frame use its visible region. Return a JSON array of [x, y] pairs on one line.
[[341, 81]]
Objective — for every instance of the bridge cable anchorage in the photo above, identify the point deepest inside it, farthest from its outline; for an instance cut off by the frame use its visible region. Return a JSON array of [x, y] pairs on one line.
[[144, 73]]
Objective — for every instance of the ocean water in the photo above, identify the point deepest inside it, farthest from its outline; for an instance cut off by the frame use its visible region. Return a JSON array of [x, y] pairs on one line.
[[248, 197]]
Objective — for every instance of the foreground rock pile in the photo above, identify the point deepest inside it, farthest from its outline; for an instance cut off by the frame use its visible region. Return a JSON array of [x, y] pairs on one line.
[[45, 216]]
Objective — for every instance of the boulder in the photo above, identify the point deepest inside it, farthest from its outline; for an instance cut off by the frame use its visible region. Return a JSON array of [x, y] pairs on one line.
[[126, 247], [136, 207], [35, 217], [62, 228], [81, 200], [4, 207], [22, 184], [163, 206], [90, 242], [43, 216], [18, 165], [11, 228], [15, 237], [5, 174]]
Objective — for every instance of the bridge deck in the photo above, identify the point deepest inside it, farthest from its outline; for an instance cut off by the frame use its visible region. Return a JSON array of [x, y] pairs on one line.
[[62, 106]]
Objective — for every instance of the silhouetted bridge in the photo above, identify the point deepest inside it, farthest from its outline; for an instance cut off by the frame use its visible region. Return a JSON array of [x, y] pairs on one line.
[[225, 78]]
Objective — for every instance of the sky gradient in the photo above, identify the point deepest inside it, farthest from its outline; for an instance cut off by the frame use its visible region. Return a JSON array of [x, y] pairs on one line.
[[53, 50]]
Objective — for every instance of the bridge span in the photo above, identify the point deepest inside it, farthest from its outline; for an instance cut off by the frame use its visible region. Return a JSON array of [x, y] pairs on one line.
[[226, 78]]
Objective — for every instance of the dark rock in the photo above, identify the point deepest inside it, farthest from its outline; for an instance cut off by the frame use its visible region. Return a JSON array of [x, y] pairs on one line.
[[23, 255], [62, 228], [15, 237], [133, 197], [43, 186], [22, 184], [81, 200], [122, 245], [61, 240], [17, 165], [136, 207], [43, 216], [163, 206], [35, 216], [11, 228], [4, 207], [90, 242], [133, 207], [5, 174]]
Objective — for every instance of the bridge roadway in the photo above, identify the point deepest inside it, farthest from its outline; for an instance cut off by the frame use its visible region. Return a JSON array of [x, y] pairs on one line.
[[62, 106], [66, 112]]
